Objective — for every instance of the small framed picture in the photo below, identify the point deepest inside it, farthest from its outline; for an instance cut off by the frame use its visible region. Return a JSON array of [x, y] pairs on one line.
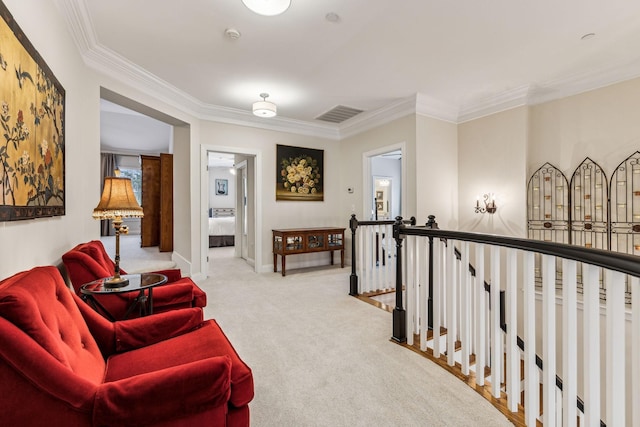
[[222, 187]]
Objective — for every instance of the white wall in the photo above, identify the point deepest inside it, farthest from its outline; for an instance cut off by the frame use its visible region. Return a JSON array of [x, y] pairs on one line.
[[492, 159], [25, 244], [436, 166], [284, 214], [218, 200], [352, 149], [602, 124]]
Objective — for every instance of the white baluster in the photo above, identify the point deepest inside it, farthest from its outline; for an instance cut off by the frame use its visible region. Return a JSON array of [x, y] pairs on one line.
[[465, 307], [377, 261], [635, 351], [591, 350], [438, 279], [368, 262], [391, 264], [512, 350], [410, 286], [549, 339], [361, 270], [569, 344], [388, 263], [481, 316], [496, 331], [450, 290], [531, 372], [424, 296], [615, 387]]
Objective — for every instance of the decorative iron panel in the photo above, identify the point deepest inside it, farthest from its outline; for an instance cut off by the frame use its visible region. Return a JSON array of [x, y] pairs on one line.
[[548, 205], [588, 211]]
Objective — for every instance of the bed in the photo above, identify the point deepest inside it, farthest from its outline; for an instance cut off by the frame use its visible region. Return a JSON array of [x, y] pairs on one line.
[[222, 227]]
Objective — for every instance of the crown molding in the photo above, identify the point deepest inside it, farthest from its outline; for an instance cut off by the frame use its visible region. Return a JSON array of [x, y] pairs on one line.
[[494, 104], [432, 107], [550, 90], [372, 119], [580, 83], [108, 62], [79, 23]]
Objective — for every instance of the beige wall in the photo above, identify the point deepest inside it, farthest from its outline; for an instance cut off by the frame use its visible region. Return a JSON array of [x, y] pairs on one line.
[[25, 244], [352, 150], [602, 124], [283, 214], [493, 158], [436, 165], [495, 153]]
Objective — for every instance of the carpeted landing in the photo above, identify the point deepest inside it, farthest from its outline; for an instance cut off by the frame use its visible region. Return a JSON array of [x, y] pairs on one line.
[[322, 358]]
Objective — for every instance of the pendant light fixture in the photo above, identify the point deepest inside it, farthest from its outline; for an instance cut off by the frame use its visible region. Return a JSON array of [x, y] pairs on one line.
[[267, 7], [264, 108]]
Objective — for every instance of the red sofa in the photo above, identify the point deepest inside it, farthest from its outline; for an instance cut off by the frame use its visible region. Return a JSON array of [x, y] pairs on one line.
[[62, 364], [89, 261]]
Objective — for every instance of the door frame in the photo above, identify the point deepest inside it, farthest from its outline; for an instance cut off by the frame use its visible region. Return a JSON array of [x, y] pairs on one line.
[[241, 202], [367, 177], [204, 201]]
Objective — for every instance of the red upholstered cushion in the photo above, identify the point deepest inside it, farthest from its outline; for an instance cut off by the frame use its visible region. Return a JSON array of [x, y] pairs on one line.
[[207, 341], [39, 303]]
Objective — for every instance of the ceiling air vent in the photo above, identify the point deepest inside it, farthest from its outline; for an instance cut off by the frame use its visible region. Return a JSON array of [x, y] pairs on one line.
[[339, 114]]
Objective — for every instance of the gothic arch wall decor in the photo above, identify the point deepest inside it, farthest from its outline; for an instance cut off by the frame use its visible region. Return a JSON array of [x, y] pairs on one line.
[[590, 211], [625, 206], [548, 205], [589, 201]]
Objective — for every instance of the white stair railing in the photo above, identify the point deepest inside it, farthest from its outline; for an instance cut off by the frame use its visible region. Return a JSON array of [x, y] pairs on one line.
[[373, 256], [583, 361]]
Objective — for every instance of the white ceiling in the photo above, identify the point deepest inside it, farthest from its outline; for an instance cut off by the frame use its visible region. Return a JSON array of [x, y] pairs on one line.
[[126, 131], [454, 59]]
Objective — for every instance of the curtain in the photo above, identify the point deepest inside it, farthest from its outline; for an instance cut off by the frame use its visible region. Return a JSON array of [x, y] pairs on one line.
[[108, 165]]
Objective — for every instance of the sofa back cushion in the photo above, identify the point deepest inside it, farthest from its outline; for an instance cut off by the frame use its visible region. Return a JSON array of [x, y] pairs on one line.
[[40, 304], [88, 262]]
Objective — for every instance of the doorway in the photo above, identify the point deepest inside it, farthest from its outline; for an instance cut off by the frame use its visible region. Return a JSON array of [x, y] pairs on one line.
[[240, 201], [384, 174]]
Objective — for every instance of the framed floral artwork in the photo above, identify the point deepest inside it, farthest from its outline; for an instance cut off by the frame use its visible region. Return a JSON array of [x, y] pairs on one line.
[[32, 107], [299, 173]]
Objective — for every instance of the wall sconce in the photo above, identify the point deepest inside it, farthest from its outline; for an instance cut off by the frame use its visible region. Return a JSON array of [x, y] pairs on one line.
[[489, 204]]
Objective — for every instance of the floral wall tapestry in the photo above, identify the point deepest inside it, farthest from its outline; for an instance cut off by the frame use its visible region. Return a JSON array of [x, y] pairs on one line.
[[299, 173], [32, 117]]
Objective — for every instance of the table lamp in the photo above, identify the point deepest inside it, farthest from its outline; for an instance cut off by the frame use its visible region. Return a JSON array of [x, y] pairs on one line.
[[117, 202]]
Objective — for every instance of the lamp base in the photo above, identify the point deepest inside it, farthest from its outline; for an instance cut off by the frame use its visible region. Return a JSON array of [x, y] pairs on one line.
[[115, 282]]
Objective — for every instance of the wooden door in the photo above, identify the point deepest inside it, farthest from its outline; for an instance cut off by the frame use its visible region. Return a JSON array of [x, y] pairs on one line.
[[157, 202], [166, 203], [150, 223]]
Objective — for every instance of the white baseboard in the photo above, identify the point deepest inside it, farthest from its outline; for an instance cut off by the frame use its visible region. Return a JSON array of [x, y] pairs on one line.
[[182, 263]]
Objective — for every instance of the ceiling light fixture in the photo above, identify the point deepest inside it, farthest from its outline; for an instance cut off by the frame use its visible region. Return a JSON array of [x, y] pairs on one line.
[[267, 7], [264, 108]]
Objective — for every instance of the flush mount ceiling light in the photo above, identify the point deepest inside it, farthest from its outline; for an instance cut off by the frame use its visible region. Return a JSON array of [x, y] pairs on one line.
[[264, 108], [267, 7]]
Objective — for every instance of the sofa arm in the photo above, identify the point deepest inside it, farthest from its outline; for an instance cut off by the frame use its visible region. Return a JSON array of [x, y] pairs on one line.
[[170, 393], [144, 331], [172, 274]]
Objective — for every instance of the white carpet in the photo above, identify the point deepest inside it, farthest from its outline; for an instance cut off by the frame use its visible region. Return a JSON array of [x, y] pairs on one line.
[[133, 258], [322, 358]]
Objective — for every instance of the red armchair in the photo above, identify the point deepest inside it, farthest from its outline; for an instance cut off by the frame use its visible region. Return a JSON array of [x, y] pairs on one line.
[[89, 261], [62, 364]]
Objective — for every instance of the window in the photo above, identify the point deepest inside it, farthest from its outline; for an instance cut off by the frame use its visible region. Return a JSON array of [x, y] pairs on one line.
[[136, 181]]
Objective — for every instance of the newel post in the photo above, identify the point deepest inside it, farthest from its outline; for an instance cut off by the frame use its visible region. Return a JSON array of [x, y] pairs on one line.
[[399, 314], [432, 224], [353, 280]]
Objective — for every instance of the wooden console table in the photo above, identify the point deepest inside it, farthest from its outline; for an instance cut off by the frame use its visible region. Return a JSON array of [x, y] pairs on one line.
[[307, 240]]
